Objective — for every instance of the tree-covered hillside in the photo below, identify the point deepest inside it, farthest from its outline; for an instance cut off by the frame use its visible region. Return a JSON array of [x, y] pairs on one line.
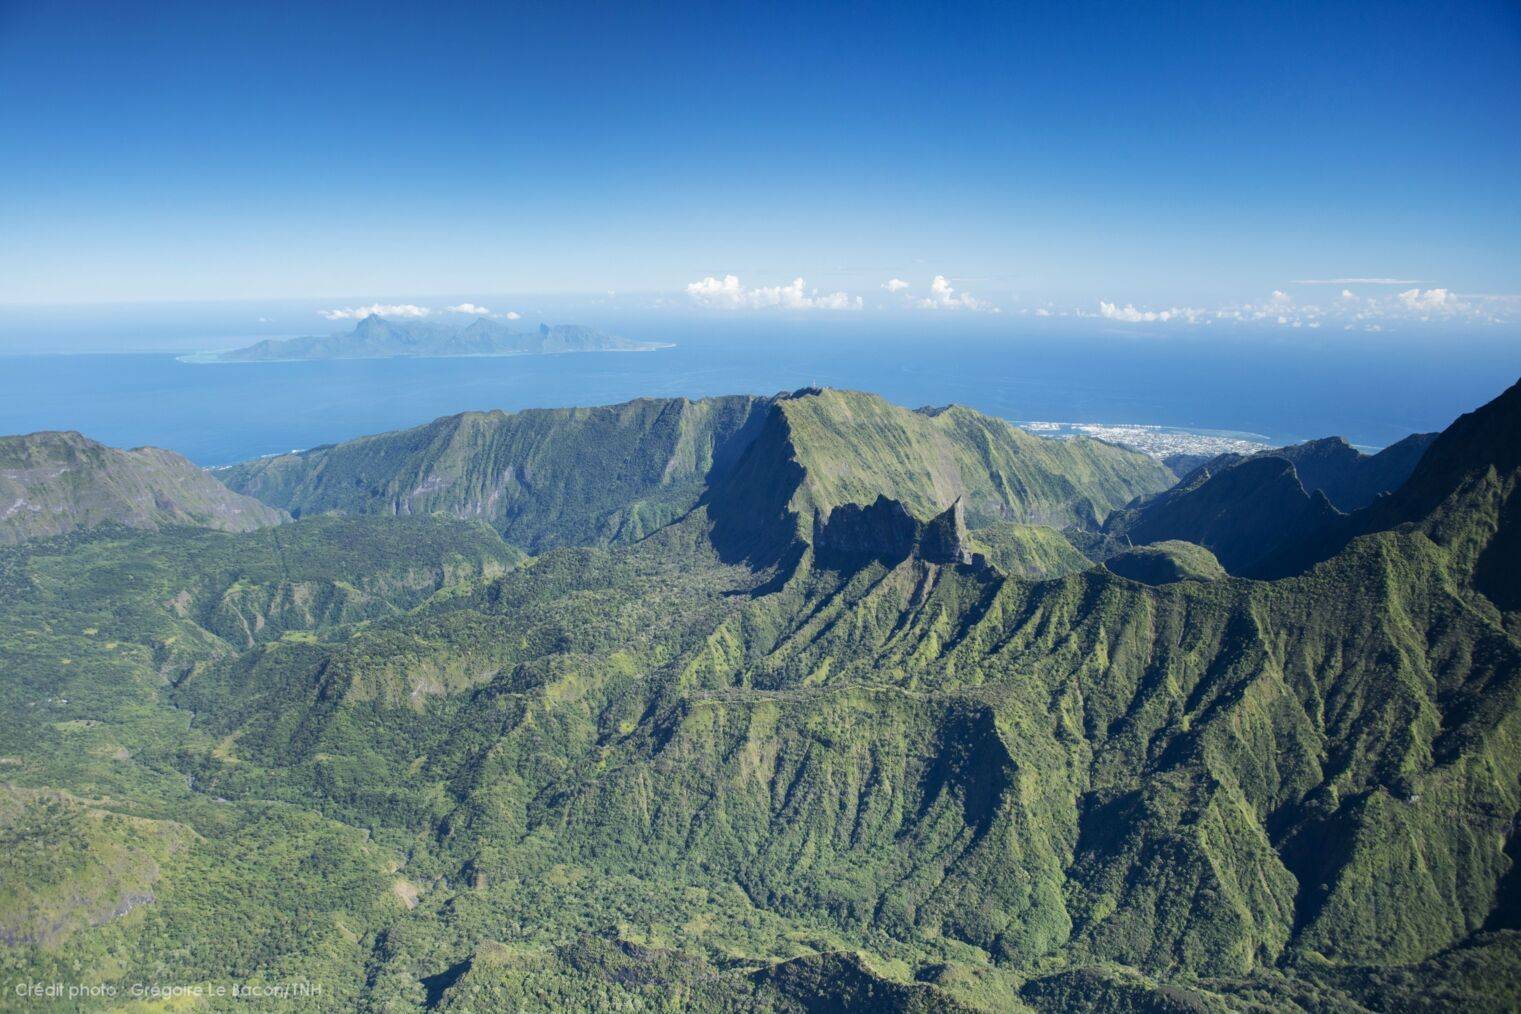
[[824, 741]]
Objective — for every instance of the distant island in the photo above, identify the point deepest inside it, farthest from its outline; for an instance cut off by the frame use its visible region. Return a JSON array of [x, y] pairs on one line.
[[376, 337]]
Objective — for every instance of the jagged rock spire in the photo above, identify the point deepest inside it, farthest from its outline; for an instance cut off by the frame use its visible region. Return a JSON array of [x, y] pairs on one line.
[[886, 530]]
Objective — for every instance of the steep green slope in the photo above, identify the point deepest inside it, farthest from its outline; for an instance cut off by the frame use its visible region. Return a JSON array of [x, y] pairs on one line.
[[868, 772], [542, 477], [820, 449], [1479, 455], [853, 447], [67, 866], [1028, 550], [51, 483]]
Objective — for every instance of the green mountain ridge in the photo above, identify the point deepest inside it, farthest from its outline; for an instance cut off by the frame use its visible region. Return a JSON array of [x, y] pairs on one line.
[[542, 477], [807, 746], [598, 476], [53, 482]]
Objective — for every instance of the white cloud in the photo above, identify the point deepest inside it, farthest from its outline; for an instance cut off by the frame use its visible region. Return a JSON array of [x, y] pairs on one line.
[[1358, 281], [1041, 311], [895, 285], [470, 308], [512, 315], [943, 296], [1348, 295], [728, 294], [1431, 299], [836, 301], [1281, 298], [1128, 314], [378, 309]]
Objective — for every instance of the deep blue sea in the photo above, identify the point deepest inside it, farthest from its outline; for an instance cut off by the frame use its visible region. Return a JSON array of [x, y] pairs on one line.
[[1372, 393]]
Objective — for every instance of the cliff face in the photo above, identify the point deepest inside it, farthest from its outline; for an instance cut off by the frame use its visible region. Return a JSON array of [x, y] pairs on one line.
[[51, 483], [819, 450], [886, 531], [542, 477]]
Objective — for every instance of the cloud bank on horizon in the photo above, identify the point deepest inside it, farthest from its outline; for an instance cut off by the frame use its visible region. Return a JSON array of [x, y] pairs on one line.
[[728, 293], [1368, 307], [943, 296], [410, 311], [1350, 310]]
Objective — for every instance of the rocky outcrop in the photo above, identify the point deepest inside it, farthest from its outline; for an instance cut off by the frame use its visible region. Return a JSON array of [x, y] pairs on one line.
[[886, 531], [52, 483]]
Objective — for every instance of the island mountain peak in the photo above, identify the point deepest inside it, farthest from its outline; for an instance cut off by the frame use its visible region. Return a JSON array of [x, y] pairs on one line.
[[377, 337]]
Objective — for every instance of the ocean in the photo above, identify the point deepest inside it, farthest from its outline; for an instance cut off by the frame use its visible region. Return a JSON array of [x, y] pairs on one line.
[[1262, 386]]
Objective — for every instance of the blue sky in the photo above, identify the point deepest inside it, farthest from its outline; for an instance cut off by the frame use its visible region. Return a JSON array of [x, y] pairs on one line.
[[1178, 159]]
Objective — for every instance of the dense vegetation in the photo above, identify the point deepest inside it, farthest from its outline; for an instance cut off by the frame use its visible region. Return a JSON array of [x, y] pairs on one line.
[[1165, 562], [853, 731]]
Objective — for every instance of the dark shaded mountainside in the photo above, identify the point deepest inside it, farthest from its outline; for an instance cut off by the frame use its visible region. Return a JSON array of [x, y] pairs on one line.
[[1349, 478], [1250, 511], [51, 483], [377, 337], [806, 747]]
